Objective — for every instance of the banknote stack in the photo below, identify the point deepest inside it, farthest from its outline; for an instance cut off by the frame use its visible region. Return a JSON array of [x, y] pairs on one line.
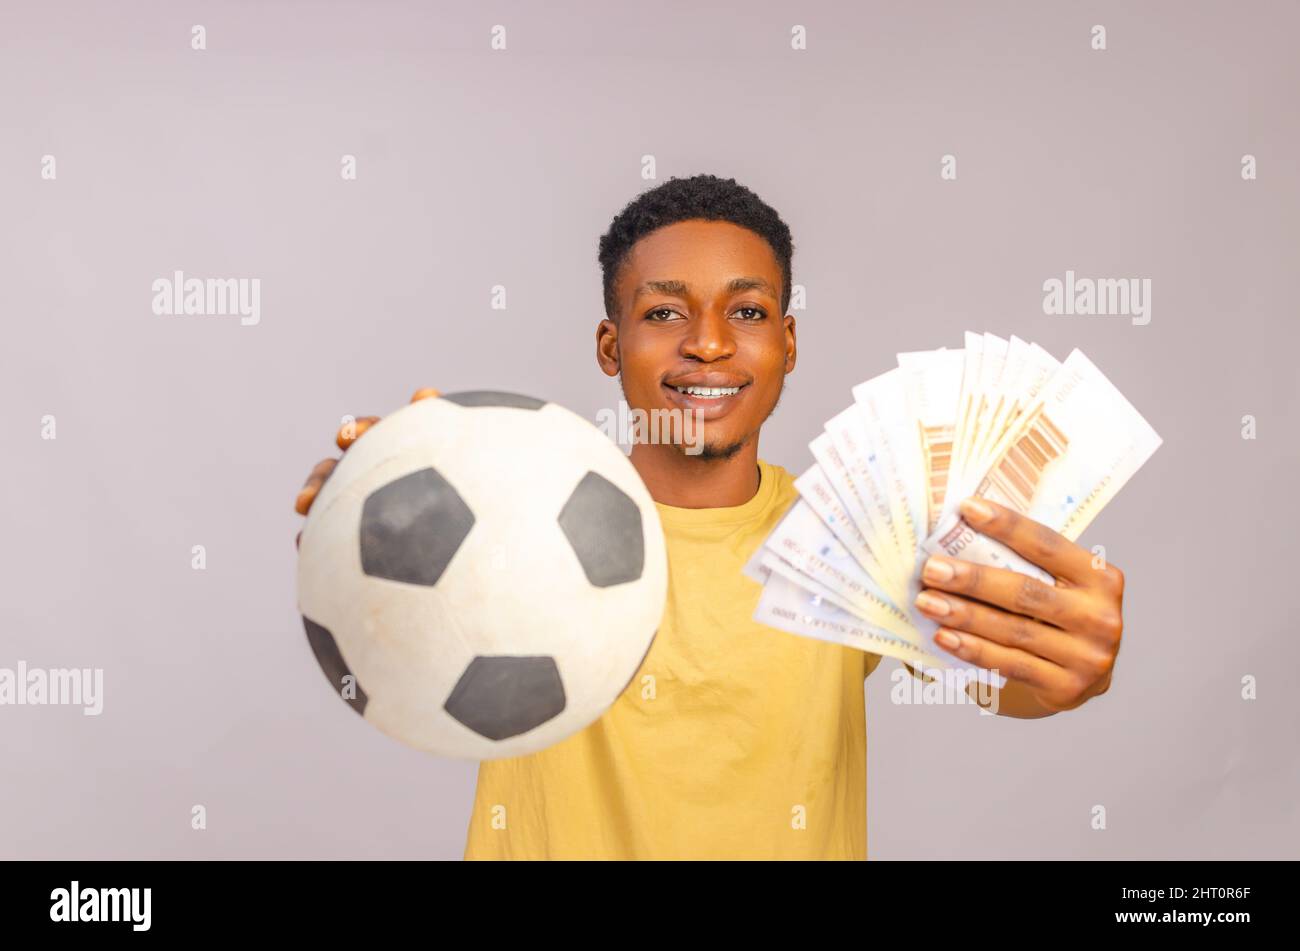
[[997, 419]]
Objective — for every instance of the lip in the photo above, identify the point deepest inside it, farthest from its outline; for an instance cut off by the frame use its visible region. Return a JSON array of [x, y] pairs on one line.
[[709, 378], [708, 407]]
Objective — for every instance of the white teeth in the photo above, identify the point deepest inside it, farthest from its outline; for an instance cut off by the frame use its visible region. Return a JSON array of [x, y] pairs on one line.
[[709, 392]]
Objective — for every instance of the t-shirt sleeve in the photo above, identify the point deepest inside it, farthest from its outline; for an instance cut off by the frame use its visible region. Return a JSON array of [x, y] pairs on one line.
[[872, 662]]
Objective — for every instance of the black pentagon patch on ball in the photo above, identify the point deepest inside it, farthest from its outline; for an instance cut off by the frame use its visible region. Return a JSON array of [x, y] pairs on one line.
[[604, 527], [494, 398], [411, 528], [501, 697], [331, 661]]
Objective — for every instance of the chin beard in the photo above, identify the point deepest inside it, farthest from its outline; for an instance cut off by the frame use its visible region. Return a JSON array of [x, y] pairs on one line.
[[715, 452]]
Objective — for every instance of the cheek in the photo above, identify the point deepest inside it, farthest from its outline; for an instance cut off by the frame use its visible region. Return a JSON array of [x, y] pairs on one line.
[[766, 358], [766, 345], [643, 363]]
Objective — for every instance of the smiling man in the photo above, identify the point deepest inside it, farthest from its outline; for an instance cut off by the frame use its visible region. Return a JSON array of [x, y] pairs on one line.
[[736, 740]]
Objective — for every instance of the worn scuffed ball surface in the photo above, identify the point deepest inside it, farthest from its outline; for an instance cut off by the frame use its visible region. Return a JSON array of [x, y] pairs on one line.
[[482, 574]]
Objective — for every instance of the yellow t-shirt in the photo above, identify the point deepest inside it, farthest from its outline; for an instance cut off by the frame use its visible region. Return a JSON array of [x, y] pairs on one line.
[[734, 740]]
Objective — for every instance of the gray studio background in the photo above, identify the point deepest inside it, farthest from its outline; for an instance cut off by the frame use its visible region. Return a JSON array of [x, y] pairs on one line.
[[478, 168]]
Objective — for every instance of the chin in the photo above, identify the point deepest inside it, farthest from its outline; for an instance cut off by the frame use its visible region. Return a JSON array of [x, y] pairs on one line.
[[724, 448], [713, 453]]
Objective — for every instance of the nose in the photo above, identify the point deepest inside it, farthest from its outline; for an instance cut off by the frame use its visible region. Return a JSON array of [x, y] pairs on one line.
[[708, 337]]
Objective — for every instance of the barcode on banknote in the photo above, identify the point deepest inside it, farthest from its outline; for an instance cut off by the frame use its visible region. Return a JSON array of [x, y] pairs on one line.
[[1012, 481], [936, 443]]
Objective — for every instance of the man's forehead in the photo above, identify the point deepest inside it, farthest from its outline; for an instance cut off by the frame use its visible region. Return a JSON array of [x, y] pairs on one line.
[[680, 288]]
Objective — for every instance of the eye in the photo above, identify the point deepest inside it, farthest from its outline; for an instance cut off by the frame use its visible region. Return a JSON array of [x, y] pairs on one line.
[[757, 312], [667, 313]]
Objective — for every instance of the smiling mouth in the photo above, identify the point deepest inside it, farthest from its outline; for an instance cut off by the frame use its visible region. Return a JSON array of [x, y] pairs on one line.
[[708, 392]]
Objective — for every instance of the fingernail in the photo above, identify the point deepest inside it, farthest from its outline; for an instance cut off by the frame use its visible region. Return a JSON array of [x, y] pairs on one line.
[[937, 570], [977, 510], [947, 639], [931, 604]]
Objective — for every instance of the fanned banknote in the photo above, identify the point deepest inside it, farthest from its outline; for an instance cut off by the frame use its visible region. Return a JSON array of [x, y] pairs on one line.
[[998, 418]]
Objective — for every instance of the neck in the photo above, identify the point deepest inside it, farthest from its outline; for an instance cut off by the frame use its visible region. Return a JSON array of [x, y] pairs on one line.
[[697, 482]]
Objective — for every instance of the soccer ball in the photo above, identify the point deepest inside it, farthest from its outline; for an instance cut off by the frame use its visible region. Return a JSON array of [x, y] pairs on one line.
[[482, 574]]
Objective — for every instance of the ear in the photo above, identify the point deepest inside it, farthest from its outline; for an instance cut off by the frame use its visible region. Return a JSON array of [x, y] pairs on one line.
[[607, 347], [791, 350]]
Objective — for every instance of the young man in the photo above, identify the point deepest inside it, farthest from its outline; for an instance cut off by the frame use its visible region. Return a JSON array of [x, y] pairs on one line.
[[736, 740]]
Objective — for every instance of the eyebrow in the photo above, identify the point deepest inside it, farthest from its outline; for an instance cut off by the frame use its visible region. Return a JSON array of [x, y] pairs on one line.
[[682, 289]]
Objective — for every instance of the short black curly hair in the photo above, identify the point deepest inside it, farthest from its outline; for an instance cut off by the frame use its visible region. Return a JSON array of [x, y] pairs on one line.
[[682, 199]]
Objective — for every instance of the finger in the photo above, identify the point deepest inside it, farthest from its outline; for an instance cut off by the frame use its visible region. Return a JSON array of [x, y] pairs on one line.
[[1050, 550], [1013, 630], [310, 488], [426, 393], [1013, 664], [350, 432], [1067, 608]]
